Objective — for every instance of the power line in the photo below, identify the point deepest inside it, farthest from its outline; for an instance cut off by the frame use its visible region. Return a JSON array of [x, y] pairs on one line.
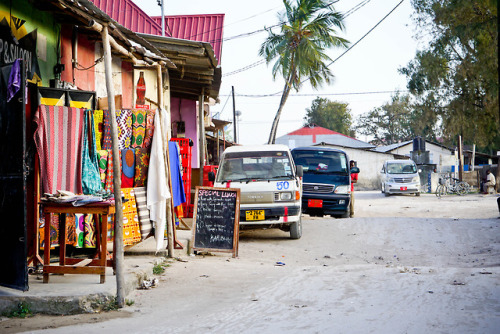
[[359, 40], [349, 12], [325, 94]]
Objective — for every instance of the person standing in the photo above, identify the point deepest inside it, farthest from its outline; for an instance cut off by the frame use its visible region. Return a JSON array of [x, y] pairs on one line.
[[354, 179]]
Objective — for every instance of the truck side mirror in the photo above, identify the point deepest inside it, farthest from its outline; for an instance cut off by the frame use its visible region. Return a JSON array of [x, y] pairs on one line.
[[299, 170], [354, 170], [211, 176]]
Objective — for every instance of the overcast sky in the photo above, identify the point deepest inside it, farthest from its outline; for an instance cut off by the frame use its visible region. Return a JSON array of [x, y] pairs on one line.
[[370, 66]]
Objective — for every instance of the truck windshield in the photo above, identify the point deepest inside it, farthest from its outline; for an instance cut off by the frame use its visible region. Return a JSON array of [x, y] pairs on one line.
[[320, 161], [401, 168], [260, 165]]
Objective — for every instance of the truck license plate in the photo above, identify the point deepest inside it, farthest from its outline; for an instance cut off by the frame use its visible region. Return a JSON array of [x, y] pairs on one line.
[[315, 203], [255, 215], [403, 188]]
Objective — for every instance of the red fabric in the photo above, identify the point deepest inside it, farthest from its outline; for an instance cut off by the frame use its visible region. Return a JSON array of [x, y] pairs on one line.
[[354, 176], [59, 143]]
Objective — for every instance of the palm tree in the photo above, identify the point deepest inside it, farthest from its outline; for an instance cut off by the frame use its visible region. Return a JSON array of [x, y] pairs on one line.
[[307, 30]]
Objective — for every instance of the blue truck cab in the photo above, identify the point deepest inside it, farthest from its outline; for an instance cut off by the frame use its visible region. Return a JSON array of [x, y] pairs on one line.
[[326, 184]]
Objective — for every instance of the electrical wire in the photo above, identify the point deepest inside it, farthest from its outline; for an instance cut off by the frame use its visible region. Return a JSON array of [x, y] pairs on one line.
[[349, 12]]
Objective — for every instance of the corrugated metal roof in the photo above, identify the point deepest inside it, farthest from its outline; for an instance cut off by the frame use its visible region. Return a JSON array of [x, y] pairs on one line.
[[201, 28], [314, 130], [129, 15]]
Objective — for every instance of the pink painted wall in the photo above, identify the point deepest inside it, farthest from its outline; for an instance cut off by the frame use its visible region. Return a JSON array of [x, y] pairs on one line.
[[185, 110]]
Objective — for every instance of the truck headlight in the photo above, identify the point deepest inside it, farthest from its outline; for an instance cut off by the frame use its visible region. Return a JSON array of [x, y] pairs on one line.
[[342, 189], [286, 196]]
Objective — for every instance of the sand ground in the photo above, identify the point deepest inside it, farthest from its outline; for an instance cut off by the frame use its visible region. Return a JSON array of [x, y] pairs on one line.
[[404, 264]]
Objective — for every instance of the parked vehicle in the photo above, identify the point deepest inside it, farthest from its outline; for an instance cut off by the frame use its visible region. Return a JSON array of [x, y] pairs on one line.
[[400, 177], [270, 186], [326, 188]]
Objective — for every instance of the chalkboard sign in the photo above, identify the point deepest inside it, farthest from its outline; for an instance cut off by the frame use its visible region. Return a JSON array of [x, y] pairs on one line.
[[216, 219]]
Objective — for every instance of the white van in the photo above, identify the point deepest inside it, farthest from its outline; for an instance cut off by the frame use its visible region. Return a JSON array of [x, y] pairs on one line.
[[400, 177], [270, 186]]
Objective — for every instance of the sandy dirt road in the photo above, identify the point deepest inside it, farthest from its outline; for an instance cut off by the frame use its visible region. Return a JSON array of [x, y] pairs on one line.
[[404, 264]]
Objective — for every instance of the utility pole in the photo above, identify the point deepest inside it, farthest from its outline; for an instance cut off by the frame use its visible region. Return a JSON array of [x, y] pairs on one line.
[[161, 4], [460, 158], [234, 116]]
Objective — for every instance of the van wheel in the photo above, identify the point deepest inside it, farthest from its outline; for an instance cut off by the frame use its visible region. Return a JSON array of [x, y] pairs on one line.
[[346, 214], [296, 229]]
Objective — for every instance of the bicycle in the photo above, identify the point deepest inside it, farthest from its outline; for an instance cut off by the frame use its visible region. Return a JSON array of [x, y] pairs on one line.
[[449, 185]]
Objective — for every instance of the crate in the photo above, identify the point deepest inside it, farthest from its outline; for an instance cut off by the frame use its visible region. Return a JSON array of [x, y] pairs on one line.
[[206, 170]]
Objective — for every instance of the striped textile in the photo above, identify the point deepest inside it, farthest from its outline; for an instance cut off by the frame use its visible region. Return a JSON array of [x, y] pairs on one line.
[[143, 212], [59, 143]]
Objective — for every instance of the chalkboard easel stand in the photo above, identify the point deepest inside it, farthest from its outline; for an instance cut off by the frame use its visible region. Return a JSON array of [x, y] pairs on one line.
[[216, 220]]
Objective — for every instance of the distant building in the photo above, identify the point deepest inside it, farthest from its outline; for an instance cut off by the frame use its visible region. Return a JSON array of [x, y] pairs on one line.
[[313, 134]]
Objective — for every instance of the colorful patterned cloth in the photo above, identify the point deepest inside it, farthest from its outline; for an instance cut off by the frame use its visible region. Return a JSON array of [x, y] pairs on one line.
[[59, 143], [124, 122], [142, 210], [70, 229], [80, 230], [138, 128], [106, 141], [99, 128], [141, 167], [109, 172], [128, 168], [150, 129], [91, 181], [131, 229], [103, 166], [89, 231]]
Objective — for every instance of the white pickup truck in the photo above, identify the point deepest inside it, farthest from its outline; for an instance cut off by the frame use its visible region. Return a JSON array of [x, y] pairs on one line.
[[270, 186]]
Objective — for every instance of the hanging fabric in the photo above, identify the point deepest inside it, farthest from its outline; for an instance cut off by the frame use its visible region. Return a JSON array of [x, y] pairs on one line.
[[124, 122], [176, 176], [143, 212], [99, 128], [128, 168], [150, 129], [138, 128], [131, 229], [59, 143], [106, 139], [158, 192], [103, 166], [91, 180], [141, 167]]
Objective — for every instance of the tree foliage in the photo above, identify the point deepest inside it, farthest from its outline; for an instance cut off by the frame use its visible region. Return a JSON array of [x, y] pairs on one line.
[[395, 121], [455, 77], [332, 115], [307, 30]]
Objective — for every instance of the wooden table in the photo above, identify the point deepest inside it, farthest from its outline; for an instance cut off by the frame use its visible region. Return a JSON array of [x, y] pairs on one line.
[[71, 265]]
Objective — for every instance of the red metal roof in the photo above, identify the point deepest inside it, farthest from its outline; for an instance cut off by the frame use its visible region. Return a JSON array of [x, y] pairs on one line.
[[201, 28], [129, 15], [314, 130]]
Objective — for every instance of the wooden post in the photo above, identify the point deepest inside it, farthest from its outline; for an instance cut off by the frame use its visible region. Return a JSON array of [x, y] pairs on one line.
[[460, 158], [118, 240], [473, 158], [201, 140]]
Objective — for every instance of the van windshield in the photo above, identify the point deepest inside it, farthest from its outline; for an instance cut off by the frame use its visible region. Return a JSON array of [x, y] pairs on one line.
[[258, 165], [320, 161], [401, 168]]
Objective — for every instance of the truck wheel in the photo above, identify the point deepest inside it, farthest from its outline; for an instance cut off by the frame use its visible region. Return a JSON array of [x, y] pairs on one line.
[[296, 229]]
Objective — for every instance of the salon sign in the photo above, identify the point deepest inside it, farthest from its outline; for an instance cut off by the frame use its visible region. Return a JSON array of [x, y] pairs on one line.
[[16, 42]]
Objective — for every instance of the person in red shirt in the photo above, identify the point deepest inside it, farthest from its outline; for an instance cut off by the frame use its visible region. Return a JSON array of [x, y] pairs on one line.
[[354, 179]]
